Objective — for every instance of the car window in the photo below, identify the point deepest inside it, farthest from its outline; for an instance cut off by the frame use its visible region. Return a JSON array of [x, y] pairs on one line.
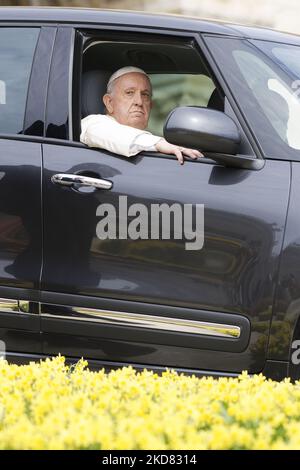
[[177, 70], [277, 101], [264, 89], [17, 46]]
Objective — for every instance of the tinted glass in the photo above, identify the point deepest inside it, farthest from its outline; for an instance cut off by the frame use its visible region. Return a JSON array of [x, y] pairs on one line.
[[286, 56], [17, 46], [264, 87]]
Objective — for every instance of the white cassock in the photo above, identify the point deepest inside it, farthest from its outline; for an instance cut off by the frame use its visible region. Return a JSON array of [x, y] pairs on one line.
[[99, 130]]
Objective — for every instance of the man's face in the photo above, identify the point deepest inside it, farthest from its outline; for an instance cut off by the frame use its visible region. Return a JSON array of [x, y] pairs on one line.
[[130, 101]]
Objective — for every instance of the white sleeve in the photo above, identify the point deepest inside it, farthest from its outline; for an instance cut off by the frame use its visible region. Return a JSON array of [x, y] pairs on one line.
[[145, 141], [104, 132]]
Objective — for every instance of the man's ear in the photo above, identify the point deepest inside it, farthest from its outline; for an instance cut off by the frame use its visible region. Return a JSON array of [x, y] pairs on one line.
[[107, 100]]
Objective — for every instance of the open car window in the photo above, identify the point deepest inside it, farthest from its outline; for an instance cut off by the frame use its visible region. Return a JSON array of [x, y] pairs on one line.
[[176, 68]]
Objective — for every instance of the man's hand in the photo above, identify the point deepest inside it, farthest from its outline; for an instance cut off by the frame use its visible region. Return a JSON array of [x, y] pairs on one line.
[[165, 147]]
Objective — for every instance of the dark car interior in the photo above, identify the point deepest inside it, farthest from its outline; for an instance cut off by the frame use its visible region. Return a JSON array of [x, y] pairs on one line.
[[103, 57]]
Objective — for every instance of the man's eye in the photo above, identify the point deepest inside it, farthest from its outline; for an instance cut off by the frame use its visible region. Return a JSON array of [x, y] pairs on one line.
[[129, 92]]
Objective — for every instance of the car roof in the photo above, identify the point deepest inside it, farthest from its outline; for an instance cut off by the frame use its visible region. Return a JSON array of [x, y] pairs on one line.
[[92, 16]]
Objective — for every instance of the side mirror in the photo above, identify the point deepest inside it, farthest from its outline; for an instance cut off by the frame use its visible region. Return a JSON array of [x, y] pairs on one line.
[[210, 131], [202, 128]]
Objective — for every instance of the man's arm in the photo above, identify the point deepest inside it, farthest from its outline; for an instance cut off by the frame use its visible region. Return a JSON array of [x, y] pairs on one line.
[[105, 132]]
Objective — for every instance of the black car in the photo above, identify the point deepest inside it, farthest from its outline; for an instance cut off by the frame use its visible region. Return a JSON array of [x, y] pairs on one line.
[[229, 90]]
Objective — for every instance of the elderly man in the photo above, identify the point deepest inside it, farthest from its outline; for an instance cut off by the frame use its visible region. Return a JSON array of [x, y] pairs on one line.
[[128, 103]]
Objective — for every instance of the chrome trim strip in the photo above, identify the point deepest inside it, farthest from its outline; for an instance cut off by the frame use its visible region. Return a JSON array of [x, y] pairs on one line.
[[14, 306], [9, 305], [178, 325]]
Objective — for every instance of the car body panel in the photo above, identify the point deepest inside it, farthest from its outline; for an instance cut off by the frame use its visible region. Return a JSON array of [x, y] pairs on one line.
[[90, 17], [20, 241], [285, 321], [234, 273]]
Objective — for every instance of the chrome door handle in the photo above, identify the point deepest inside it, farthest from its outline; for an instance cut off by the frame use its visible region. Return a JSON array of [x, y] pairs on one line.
[[69, 179]]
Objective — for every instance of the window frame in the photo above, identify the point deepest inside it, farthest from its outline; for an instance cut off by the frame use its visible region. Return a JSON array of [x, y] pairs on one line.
[[90, 34], [84, 36], [249, 146]]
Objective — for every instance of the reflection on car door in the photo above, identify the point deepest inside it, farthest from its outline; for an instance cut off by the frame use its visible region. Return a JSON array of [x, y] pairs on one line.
[[152, 302], [21, 51], [20, 245]]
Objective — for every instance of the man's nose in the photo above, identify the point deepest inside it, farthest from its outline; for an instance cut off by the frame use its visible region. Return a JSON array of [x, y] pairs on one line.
[[138, 99]]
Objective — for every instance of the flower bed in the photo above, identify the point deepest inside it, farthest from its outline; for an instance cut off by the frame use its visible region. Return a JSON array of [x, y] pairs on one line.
[[50, 405]]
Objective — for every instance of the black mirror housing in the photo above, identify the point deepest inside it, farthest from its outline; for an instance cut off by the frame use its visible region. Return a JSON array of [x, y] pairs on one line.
[[202, 128]]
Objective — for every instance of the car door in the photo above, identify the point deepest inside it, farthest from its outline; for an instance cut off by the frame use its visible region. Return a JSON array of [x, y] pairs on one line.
[[152, 302], [22, 91]]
